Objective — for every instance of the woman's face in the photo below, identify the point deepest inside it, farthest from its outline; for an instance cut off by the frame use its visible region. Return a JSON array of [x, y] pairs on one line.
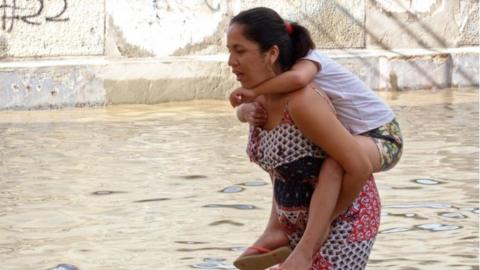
[[248, 62]]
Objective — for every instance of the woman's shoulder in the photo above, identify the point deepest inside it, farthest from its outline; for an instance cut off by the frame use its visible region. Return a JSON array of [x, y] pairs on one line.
[[310, 95]]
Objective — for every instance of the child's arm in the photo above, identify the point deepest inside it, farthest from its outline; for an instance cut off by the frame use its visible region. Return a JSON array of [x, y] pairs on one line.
[[301, 74]]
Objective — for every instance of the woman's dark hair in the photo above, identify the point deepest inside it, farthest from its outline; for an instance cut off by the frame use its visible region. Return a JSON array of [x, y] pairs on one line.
[[265, 27]]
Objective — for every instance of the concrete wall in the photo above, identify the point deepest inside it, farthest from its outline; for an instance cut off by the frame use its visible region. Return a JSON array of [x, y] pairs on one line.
[[422, 23], [154, 28], [198, 27], [60, 53]]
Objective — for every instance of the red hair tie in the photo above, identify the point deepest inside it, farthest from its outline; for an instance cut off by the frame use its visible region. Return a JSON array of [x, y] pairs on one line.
[[289, 27]]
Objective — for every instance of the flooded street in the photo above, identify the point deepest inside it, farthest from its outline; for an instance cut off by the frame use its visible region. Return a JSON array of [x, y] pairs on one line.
[[169, 186]]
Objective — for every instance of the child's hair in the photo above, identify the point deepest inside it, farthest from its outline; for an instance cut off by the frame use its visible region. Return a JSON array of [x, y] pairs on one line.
[[265, 27]]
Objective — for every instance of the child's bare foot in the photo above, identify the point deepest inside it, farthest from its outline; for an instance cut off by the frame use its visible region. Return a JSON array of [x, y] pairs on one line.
[[271, 239], [297, 261]]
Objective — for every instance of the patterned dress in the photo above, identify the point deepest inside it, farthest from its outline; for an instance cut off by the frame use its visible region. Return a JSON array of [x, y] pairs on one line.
[[293, 163]]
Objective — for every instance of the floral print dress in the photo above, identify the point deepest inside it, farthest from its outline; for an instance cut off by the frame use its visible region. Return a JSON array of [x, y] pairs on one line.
[[294, 163]]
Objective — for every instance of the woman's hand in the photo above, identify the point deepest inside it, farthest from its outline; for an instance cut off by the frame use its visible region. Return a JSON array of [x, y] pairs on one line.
[[253, 113], [242, 95]]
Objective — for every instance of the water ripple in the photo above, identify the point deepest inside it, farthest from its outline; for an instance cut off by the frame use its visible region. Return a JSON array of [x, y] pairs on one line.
[[152, 200], [213, 263], [64, 267], [5, 250], [474, 210], [200, 249], [435, 227], [229, 222], [190, 242], [106, 192], [407, 215], [193, 176], [235, 206], [232, 189], [427, 181], [420, 205], [455, 215], [254, 184], [395, 230]]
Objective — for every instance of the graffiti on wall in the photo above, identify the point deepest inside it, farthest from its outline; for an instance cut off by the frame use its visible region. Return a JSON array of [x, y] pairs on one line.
[[12, 12]]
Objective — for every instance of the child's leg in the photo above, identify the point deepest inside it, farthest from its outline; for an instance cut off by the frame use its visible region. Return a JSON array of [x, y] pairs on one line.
[[321, 207], [369, 147], [350, 191], [332, 196], [332, 173], [324, 202], [383, 147]]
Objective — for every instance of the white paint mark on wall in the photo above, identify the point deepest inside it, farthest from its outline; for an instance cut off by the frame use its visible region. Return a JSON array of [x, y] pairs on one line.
[[422, 6], [161, 27]]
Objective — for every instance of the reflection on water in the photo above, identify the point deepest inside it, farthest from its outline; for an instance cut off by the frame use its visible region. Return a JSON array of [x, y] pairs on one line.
[[170, 187]]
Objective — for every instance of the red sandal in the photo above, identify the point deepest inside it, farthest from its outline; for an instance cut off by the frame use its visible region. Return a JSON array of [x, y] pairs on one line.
[[263, 259]]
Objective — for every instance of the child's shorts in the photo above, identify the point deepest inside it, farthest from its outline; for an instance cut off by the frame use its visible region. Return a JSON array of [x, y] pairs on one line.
[[388, 139]]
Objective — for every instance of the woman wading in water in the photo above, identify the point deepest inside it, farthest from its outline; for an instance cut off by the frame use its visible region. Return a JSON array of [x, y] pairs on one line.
[[325, 204]]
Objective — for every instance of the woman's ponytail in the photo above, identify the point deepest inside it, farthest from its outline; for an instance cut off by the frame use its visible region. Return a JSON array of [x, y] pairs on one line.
[[301, 41]]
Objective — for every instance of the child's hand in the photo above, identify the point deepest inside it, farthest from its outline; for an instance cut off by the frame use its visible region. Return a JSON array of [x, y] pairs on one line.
[[253, 113], [242, 95]]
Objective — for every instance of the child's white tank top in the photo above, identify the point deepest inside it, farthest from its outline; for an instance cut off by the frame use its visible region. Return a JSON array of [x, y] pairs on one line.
[[358, 107]]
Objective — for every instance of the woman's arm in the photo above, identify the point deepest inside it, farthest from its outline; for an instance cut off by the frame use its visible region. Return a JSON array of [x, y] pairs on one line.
[[313, 115]]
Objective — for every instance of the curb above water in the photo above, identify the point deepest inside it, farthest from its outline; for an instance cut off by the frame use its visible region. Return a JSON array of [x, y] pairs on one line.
[[100, 81]]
